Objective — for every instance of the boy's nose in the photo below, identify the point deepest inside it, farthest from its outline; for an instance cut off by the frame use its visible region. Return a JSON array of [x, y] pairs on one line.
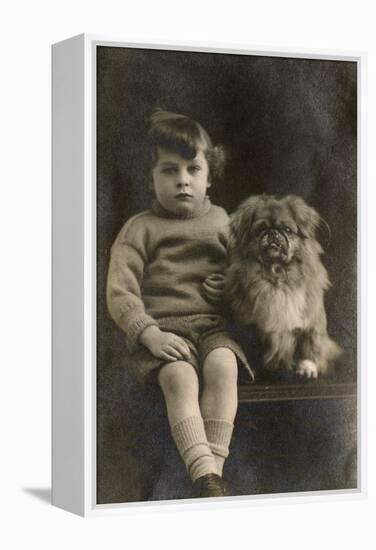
[[183, 179], [182, 184]]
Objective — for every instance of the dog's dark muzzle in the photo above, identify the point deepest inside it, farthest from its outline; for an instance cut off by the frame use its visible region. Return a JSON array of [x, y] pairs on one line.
[[274, 245]]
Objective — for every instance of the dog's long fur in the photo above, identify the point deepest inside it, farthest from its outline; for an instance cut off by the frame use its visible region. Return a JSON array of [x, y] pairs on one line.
[[276, 281]]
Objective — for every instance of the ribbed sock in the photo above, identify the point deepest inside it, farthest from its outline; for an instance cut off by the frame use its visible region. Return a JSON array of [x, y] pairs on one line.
[[190, 439], [219, 433]]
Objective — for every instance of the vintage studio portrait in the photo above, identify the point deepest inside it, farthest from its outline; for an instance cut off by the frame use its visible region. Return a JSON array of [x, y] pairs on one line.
[[226, 274]]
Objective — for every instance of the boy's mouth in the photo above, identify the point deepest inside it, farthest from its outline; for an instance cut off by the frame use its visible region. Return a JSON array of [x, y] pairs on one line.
[[183, 196]]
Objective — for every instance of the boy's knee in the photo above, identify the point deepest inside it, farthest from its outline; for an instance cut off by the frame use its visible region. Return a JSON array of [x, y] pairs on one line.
[[220, 367], [177, 376]]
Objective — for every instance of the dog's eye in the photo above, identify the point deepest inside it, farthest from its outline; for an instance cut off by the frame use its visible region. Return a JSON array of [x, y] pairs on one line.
[[287, 229], [260, 229]]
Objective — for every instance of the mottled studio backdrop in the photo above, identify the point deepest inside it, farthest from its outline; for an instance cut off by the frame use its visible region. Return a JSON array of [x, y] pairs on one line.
[[289, 126]]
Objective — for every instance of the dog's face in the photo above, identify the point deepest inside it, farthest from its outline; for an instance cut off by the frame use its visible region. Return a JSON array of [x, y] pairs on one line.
[[273, 233], [273, 230]]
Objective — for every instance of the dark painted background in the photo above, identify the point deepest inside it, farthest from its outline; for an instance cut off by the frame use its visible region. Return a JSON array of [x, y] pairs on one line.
[[289, 126]]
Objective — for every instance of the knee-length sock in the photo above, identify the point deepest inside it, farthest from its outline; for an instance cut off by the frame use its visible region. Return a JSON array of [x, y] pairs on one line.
[[219, 433], [191, 441]]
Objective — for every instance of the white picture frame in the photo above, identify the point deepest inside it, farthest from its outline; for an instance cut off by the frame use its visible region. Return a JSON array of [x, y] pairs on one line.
[[74, 400]]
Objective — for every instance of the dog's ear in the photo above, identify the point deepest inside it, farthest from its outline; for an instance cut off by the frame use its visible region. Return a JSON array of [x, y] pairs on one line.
[[306, 217], [241, 221]]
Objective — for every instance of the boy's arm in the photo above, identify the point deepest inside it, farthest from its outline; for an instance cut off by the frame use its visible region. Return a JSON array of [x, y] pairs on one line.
[[124, 290], [127, 309], [214, 284]]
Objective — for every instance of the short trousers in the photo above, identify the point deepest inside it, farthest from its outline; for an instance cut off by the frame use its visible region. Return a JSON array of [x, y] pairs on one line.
[[202, 333]]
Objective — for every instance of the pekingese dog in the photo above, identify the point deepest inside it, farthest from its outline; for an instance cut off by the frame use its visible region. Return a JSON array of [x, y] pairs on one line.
[[276, 281]]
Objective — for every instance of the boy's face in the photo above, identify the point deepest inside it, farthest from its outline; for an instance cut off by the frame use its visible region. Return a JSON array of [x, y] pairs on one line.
[[179, 184]]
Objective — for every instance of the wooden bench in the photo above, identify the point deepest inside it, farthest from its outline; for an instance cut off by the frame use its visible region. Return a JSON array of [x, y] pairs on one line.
[[293, 391]]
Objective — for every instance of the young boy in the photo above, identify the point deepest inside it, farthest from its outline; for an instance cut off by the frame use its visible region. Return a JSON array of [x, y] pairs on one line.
[[161, 263]]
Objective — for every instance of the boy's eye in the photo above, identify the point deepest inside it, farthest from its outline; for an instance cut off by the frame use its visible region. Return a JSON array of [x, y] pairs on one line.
[[168, 170], [194, 168]]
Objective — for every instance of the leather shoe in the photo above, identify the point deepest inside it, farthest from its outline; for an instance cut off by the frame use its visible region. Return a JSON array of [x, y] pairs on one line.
[[209, 485]]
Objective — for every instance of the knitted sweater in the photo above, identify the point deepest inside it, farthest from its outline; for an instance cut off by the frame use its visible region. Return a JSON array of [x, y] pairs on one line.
[[158, 264]]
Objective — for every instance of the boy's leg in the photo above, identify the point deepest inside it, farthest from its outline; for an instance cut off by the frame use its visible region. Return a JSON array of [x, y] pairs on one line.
[[179, 384], [219, 401]]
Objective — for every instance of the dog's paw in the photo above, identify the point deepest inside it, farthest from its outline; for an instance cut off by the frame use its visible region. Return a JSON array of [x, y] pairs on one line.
[[307, 368]]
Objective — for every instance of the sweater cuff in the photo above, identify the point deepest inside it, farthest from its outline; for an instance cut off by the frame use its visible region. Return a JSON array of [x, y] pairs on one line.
[[135, 328]]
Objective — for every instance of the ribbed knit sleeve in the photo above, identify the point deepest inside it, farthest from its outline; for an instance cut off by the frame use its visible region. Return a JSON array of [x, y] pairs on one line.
[[128, 257]]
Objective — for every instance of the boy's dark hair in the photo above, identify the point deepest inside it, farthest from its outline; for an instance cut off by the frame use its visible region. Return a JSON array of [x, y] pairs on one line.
[[184, 136]]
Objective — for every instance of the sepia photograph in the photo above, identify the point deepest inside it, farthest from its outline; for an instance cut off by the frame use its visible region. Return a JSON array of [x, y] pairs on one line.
[[188, 269], [226, 258]]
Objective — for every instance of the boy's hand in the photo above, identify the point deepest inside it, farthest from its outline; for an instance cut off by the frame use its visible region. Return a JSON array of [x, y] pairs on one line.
[[213, 287], [164, 345]]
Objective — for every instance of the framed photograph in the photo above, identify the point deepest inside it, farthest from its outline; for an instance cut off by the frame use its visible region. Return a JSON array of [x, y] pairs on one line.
[[206, 275]]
